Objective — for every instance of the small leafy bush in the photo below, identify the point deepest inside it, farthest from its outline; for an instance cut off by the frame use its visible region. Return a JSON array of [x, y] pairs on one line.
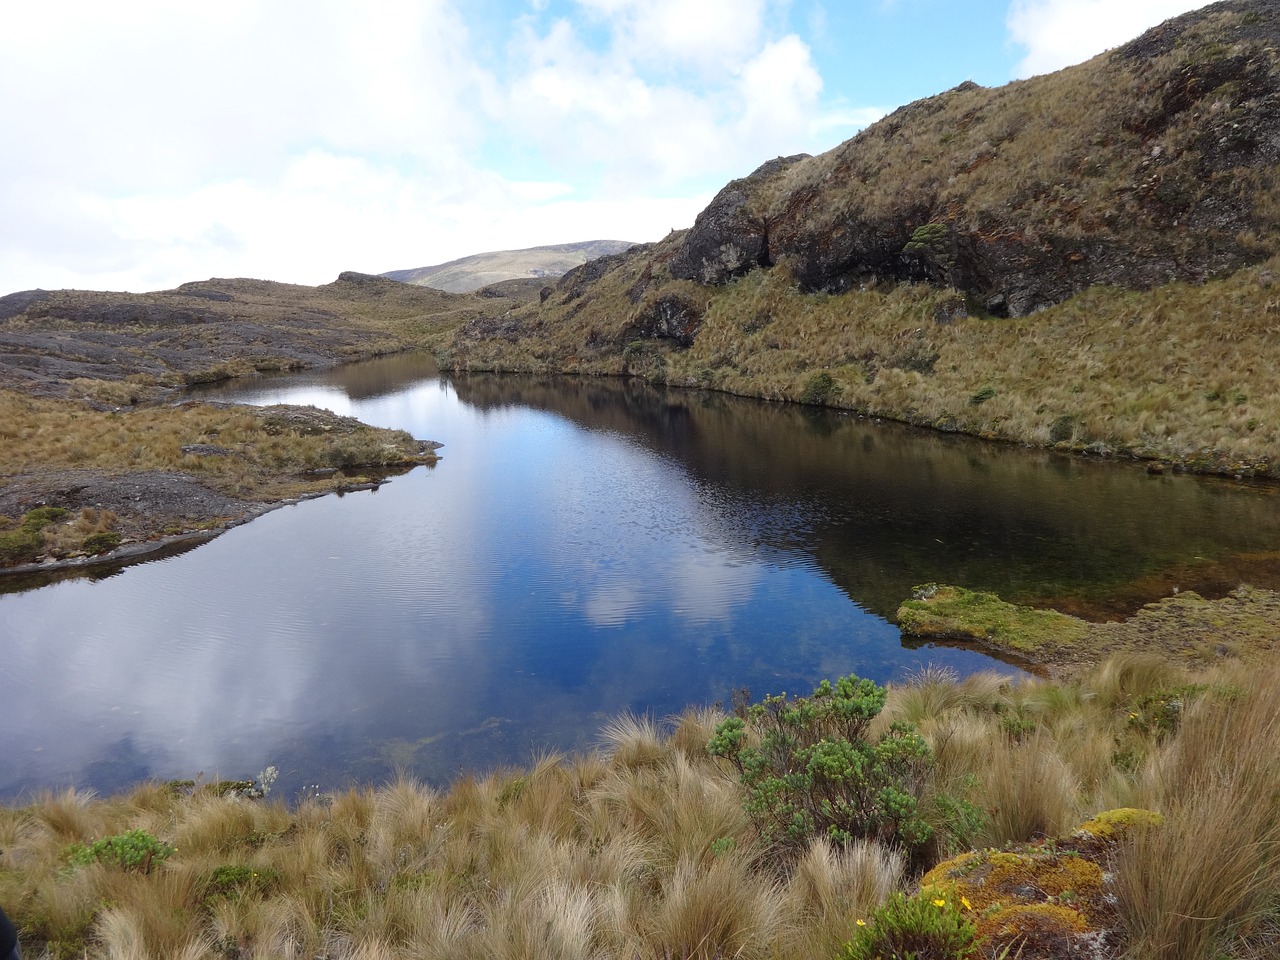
[[914, 928], [819, 389], [810, 767], [101, 542], [1159, 714], [135, 850], [27, 541], [982, 396]]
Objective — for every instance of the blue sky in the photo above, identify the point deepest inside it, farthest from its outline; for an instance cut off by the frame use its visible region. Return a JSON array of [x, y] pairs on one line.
[[150, 143]]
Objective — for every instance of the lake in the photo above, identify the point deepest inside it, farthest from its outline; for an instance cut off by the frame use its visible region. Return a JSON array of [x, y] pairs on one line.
[[583, 548]]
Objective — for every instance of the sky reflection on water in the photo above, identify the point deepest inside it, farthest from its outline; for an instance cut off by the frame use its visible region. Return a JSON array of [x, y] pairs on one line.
[[581, 550]]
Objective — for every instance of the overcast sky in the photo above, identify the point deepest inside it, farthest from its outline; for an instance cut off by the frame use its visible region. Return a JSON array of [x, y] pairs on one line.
[[148, 142]]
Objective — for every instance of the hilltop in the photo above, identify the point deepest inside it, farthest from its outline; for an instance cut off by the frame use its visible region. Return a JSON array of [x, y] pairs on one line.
[[120, 348], [468, 274], [1083, 259]]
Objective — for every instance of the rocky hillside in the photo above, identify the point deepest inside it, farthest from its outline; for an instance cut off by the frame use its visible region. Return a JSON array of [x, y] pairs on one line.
[[1082, 258], [483, 269], [118, 348]]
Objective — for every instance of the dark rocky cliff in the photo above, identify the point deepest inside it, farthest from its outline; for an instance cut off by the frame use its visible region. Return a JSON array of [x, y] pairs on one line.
[[1151, 163]]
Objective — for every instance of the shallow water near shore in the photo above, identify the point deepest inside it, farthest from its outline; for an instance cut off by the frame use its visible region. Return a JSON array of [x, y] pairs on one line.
[[584, 548]]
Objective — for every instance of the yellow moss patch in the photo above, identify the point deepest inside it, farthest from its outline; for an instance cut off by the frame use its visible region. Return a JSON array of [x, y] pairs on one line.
[[1116, 824], [954, 612], [1241, 624], [1032, 921], [1001, 879]]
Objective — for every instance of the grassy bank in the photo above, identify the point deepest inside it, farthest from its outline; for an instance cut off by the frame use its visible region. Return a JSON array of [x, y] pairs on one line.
[[1182, 373], [1185, 627], [228, 458], [651, 848]]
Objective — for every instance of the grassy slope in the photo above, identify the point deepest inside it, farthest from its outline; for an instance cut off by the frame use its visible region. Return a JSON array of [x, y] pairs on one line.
[[482, 269], [97, 362], [1086, 165], [645, 850], [66, 341], [1183, 373]]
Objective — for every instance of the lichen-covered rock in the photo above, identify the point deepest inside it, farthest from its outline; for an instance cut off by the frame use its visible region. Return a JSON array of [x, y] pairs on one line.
[[668, 316], [1118, 824], [1045, 899], [1039, 930]]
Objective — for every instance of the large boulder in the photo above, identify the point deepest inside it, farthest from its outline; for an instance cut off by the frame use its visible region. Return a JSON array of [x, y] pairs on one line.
[[731, 236]]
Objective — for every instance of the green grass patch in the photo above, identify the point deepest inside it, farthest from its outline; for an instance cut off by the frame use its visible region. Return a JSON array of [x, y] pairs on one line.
[[946, 612]]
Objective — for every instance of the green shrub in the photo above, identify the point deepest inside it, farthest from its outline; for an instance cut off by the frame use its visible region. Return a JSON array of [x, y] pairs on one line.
[[820, 388], [43, 516], [982, 396], [1159, 713], [19, 545], [26, 542], [101, 542], [134, 850], [914, 928], [812, 769]]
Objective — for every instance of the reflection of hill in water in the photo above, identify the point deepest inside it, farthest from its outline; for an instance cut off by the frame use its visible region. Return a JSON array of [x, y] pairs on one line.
[[883, 507], [360, 381]]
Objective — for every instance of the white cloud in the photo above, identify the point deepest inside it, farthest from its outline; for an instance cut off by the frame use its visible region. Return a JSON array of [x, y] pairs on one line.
[[1058, 33], [779, 89], [710, 35], [152, 143], [621, 112]]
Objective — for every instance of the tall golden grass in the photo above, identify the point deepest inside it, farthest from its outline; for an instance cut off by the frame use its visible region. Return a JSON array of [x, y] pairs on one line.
[[643, 850]]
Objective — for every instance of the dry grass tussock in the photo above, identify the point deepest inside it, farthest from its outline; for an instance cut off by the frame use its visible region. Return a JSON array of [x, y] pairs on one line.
[[1214, 873], [644, 850]]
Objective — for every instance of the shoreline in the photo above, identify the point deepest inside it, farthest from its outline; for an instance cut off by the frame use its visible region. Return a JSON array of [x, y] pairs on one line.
[[128, 553]]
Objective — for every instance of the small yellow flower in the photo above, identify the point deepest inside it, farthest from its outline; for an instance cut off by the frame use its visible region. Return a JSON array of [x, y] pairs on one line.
[[966, 903], [860, 922], [939, 903]]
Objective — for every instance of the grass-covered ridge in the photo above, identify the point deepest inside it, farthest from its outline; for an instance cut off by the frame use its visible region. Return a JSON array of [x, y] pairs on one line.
[[1083, 260], [650, 848], [1183, 374]]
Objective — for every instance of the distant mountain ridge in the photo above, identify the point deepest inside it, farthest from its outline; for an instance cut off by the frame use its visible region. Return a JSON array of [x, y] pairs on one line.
[[467, 274]]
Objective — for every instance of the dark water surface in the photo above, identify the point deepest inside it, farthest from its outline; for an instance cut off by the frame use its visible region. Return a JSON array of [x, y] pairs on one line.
[[583, 548]]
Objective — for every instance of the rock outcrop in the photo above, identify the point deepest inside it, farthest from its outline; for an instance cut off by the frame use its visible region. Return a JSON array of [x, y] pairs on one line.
[[1149, 164], [731, 236]]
